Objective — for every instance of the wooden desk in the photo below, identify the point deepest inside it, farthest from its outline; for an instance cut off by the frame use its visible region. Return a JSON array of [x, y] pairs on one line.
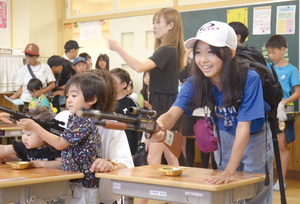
[[148, 182], [30, 184], [9, 130]]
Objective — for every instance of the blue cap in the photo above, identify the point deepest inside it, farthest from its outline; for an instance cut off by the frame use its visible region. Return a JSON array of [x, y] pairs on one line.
[[79, 59]]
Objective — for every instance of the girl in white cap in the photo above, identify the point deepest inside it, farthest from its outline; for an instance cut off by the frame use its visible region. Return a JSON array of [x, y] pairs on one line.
[[235, 93]]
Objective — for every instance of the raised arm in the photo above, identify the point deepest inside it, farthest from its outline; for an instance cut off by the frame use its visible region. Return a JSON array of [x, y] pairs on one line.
[[55, 141], [132, 62]]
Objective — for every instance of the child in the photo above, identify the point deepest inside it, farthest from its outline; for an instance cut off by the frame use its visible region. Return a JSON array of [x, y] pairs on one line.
[[122, 79], [33, 148], [241, 31], [288, 77], [244, 134], [80, 142], [164, 68], [79, 65], [35, 88], [40, 70], [102, 62], [114, 144], [129, 91], [145, 91], [88, 60], [56, 64]]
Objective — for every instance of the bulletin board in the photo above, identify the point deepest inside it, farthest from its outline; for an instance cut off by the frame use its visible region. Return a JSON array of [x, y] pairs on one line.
[[192, 21]]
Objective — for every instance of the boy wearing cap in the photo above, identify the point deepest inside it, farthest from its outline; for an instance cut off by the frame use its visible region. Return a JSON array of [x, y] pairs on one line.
[[79, 65], [56, 64], [33, 69]]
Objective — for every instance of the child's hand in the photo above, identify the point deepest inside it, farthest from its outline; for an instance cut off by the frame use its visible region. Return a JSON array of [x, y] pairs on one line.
[[37, 163], [27, 124], [4, 118], [159, 136], [4, 159], [12, 97], [224, 177], [101, 165]]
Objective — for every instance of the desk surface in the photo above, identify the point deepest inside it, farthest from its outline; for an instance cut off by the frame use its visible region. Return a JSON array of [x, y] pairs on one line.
[[10, 177], [191, 178], [10, 127]]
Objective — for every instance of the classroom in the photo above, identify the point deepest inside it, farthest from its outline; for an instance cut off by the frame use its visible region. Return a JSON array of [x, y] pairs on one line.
[[51, 23]]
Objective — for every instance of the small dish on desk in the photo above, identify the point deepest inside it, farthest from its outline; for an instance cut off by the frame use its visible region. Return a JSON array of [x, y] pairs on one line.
[[19, 164], [172, 170]]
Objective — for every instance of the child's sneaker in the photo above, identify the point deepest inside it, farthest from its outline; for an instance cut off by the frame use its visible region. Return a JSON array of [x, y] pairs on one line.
[[276, 186]]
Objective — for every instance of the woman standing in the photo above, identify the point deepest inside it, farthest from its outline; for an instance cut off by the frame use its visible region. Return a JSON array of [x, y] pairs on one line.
[[164, 66]]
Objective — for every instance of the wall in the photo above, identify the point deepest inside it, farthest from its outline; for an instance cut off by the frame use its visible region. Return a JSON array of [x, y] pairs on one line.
[[138, 25], [35, 21], [5, 36]]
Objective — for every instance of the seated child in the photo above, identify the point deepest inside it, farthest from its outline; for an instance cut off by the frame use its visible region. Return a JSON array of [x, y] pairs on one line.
[[79, 65], [35, 87], [32, 147]]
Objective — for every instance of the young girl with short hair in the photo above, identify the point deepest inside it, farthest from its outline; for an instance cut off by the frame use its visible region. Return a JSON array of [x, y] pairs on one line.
[[235, 93], [80, 142]]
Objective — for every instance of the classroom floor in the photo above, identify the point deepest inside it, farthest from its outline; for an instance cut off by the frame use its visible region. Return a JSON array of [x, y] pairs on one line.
[[292, 194]]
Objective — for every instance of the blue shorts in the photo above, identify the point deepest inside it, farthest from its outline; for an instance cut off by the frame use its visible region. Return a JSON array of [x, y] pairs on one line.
[[258, 150]]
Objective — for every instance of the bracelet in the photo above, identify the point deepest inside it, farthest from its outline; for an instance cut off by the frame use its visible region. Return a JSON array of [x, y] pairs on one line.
[[113, 163]]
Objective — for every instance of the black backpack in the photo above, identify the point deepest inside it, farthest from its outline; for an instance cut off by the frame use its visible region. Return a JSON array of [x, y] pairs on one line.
[[272, 90], [273, 94]]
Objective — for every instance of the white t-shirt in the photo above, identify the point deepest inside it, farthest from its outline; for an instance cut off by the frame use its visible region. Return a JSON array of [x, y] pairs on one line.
[[42, 72], [115, 147]]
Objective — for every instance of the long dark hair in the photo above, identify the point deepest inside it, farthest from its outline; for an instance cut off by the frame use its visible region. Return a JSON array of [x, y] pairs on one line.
[[145, 88], [105, 58], [232, 81]]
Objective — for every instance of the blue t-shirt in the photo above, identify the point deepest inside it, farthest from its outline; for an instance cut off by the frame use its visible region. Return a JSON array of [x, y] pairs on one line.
[[288, 77], [251, 108]]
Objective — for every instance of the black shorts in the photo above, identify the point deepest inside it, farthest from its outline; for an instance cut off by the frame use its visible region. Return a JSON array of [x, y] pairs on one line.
[[188, 124], [161, 103]]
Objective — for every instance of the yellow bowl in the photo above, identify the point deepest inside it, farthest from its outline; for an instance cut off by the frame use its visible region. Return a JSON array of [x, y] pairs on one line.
[[172, 170], [19, 164]]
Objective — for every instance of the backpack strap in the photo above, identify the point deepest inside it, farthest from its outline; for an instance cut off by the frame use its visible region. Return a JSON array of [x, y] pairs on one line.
[[30, 71], [214, 115]]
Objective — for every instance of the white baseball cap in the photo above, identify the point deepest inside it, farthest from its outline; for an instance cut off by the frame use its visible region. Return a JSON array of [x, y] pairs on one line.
[[215, 33]]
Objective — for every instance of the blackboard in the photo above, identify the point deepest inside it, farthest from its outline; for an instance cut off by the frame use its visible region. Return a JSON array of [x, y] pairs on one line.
[[193, 20]]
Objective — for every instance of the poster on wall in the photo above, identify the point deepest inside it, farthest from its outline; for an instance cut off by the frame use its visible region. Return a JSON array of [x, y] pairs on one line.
[[238, 15], [3, 16], [285, 23], [262, 20], [90, 30]]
